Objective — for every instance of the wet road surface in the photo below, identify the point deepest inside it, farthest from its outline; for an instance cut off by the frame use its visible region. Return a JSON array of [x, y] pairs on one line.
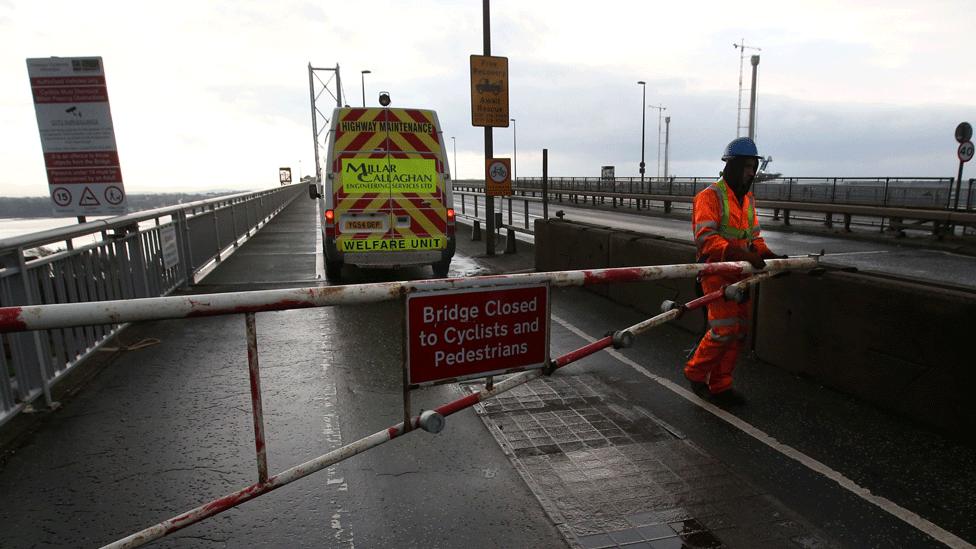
[[607, 452]]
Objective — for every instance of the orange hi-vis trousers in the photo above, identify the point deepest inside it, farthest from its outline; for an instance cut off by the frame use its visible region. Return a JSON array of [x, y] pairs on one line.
[[714, 359]]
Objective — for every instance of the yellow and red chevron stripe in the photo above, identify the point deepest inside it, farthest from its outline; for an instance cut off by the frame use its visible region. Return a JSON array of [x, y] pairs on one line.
[[393, 133]]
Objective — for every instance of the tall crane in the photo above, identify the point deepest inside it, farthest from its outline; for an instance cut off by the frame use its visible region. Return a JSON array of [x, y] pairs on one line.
[[742, 47]]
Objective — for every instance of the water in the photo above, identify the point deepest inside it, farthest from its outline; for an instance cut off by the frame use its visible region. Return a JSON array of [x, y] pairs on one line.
[[10, 227]]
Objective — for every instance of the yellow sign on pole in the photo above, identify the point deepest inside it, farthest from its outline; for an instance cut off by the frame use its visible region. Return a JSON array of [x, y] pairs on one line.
[[498, 177], [489, 91]]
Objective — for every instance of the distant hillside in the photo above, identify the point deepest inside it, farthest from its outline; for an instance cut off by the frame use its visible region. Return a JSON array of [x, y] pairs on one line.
[[40, 206]]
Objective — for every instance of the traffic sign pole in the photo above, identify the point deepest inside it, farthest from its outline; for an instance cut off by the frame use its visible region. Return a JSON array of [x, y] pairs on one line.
[[489, 146], [963, 134], [965, 154]]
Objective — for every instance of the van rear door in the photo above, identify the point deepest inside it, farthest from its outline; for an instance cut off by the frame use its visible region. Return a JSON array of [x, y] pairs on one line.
[[362, 200], [418, 200]]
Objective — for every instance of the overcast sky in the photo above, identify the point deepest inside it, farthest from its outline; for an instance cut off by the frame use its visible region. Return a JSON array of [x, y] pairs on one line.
[[214, 95]]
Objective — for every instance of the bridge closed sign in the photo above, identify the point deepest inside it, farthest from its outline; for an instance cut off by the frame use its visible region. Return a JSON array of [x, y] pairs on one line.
[[465, 334]]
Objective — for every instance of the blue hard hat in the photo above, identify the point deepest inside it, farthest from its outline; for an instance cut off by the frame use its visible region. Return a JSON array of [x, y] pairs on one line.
[[741, 146]]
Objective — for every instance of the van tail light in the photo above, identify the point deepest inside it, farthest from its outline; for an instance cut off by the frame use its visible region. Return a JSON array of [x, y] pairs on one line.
[[329, 223], [450, 221]]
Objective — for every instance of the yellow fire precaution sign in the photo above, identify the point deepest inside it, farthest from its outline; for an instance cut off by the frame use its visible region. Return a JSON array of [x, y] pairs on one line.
[[489, 91]]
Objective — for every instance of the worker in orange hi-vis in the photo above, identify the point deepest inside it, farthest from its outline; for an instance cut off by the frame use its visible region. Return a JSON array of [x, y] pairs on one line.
[[726, 228]]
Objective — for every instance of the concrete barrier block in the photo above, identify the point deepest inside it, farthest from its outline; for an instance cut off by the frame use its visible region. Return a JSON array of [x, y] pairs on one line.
[[899, 345], [634, 250], [543, 244], [571, 246]]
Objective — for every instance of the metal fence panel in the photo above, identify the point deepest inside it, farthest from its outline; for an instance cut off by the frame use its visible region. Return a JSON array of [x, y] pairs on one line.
[[113, 259]]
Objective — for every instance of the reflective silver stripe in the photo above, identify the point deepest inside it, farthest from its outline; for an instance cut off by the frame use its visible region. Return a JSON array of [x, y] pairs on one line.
[[718, 193], [704, 236], [706, 224], [720, 339], [726, 322]]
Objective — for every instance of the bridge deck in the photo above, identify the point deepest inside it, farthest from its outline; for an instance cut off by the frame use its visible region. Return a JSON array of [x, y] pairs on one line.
[[614, 448]]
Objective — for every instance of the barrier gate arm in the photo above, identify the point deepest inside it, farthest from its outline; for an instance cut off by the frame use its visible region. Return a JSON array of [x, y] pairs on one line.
[[430, 420], [21, 318]]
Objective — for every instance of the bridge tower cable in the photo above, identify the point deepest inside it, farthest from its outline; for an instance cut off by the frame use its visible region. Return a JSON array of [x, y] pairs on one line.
[[317, 114]]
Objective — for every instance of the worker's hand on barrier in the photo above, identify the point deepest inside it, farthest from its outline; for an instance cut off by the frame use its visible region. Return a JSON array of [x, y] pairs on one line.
[[738, 254], [771, 255]]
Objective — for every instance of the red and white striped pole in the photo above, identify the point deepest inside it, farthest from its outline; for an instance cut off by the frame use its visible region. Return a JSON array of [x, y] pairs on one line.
[[63, 315]]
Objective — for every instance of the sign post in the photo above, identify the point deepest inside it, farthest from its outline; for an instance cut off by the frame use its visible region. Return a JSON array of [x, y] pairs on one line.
[[77, 135], [491, 74], [284, 176], [964, 132]]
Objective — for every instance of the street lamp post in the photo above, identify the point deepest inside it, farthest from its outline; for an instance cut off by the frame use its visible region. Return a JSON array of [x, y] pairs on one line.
[[514, 167], [643, 117], [455, 170], [514, 153], [667, 142], [660, 110], [363, 77]]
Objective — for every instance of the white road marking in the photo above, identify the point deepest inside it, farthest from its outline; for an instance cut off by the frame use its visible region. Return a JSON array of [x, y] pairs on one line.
[[890, 507], [857, 253], [319, 257]]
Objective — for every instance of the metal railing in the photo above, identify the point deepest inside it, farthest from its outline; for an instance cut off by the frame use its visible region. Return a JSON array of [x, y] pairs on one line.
[[925, 200], [143, 254], [468, 204], [909, 192]]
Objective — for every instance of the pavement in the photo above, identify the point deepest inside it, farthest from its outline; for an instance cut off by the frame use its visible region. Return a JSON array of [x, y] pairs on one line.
[[639, 460], [613, 451]]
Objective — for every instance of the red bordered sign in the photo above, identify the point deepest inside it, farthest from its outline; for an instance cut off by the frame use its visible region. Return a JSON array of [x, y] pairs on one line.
[[465, 334]]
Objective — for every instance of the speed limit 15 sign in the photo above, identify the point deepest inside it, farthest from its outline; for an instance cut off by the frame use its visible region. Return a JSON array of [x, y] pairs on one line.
[[965, 151]]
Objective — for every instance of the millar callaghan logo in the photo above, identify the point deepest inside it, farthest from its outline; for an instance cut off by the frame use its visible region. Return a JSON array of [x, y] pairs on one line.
[[415, 175]]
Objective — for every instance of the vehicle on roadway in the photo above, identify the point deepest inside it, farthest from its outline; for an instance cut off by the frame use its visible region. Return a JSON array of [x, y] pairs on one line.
[[386, 191]]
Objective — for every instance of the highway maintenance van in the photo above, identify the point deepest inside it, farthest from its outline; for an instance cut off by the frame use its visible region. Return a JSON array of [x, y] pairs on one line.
[[386, 192]]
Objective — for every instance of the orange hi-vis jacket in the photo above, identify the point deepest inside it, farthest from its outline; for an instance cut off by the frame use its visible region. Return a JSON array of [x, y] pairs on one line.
[[720, 221]]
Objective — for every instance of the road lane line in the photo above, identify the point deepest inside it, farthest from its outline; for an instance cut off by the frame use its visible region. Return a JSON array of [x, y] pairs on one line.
[[857, 253], [319, 256], [890, 507]]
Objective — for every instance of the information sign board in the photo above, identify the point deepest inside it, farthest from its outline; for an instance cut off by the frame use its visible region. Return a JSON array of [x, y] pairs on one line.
[[77, 135], [498, 177], [169, 246], [465, 334], [489, 91]]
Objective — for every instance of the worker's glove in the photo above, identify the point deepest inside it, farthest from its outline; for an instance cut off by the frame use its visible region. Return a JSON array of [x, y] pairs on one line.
[[771, 255], [738, 254]]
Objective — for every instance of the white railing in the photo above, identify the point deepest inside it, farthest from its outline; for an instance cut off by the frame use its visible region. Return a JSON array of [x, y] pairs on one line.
[[139, 255]]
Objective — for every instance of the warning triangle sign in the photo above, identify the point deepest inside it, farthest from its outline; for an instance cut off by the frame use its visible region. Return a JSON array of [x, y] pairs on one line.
[[88, 198]]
